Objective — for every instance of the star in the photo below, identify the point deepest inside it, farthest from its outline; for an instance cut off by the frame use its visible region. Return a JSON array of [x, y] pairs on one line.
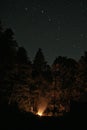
[[74, 45], [49, 19], [59, 28], [57, 39], [26, 9], [82, 35], [42, 11]]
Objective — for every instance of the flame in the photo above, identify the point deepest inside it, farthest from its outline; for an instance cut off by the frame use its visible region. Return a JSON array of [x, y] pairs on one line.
[[42, 106], [40, 113], [41, 110]]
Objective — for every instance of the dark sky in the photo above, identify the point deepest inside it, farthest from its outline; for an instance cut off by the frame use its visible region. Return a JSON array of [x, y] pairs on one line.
[[59, 27]]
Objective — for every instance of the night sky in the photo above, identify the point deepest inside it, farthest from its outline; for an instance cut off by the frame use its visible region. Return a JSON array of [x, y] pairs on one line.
[[59, 27]]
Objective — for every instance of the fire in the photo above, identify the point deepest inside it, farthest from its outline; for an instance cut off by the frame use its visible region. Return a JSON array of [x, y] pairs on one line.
[[40, 113], [42, 106]]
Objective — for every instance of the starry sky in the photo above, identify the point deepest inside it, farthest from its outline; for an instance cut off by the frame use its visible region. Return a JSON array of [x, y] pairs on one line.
[[59, 27]]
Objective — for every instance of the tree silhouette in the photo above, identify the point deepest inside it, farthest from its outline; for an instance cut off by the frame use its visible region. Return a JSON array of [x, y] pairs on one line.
[[26, 83], [22, 57], [65, 69], [39, 62], [8, 47], [81, 77], [1, 29]]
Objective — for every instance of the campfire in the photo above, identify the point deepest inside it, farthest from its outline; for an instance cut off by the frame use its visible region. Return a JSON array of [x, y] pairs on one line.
[[41, 110], [40, 113], [42, 107]]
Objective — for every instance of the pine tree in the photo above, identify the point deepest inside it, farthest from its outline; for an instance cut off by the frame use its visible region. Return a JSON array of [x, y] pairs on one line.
[[39, 61]]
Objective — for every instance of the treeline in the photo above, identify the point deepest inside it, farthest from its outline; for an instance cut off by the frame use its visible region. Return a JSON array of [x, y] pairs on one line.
[[25, 82]]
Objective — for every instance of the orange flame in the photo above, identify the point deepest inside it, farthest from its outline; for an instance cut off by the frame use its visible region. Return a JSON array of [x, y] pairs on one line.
[[42, 106], [40, 113]]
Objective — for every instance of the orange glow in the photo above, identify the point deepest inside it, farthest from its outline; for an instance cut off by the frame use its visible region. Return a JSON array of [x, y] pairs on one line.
[[40, 113], [42, 106]]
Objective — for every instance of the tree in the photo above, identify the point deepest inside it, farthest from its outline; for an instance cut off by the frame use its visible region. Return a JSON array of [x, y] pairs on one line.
[[22, 57], [8, 47], [65, 69], [1, 29], [81, 77], [82, 68], [39, 62], [41, 68]]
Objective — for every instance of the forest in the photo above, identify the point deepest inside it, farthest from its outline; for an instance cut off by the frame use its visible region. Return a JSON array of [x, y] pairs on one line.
[[34, 85]]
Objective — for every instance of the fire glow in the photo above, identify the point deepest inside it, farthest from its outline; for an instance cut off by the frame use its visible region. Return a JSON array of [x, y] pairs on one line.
[[42, 107], [40, 112]]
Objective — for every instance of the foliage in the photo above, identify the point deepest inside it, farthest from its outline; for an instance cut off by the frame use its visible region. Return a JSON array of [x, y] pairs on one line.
[[26, 83]]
